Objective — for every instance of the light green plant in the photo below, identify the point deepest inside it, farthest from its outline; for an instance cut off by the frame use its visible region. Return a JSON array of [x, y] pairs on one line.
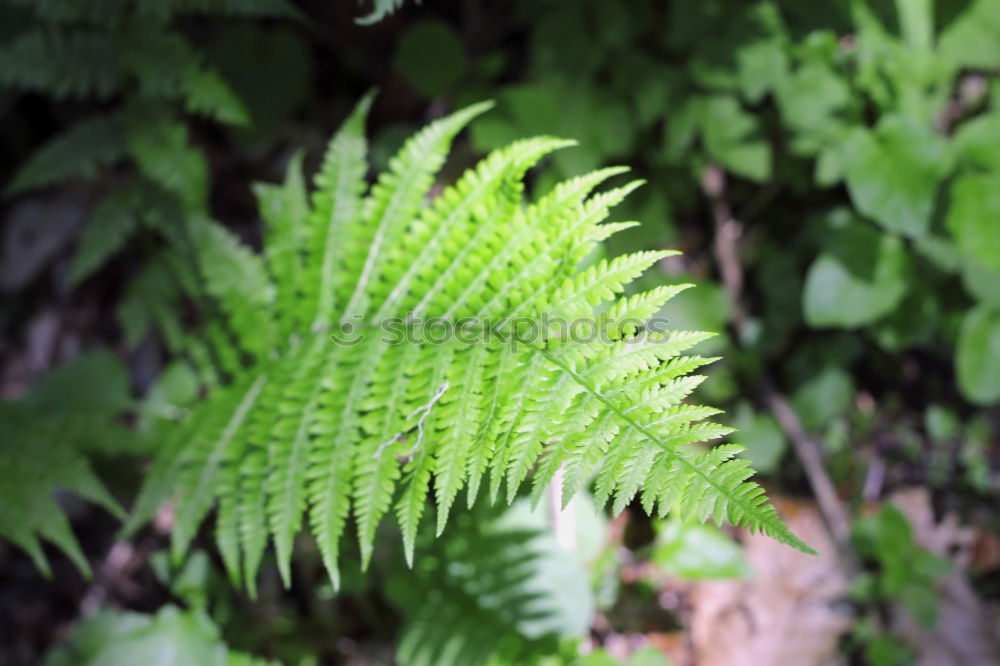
[[307, 430]]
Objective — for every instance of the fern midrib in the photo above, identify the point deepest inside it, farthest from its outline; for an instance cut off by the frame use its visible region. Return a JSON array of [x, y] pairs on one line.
[[555, 360]]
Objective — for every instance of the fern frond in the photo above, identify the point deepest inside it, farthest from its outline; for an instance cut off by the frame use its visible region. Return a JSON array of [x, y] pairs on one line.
[[363, 413], [237, 278], [44, 440], [63, 63], [473, 598], [97, 12], [76, 152], [114, 219], [160, 148], [709, 486], [206, 93]]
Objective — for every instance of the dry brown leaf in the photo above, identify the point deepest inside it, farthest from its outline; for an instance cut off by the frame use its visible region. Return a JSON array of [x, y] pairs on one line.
[[786, 613]]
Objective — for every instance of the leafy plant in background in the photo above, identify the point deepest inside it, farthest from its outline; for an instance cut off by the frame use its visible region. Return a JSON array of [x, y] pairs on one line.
[[173, 636], [904, 572], [47, 437], [133, 61]]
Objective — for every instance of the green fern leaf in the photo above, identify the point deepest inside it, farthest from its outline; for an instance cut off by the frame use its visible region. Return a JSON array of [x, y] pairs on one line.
[[76, 153], [63, 63], [114, 219], [207, 94]]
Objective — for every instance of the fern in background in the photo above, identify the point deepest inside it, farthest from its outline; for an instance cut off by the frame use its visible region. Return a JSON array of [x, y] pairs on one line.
[[44, 441], [132, 58], [309, 431], [473, 597]]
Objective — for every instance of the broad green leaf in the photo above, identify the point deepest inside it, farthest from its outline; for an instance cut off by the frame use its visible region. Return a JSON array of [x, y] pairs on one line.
[[916, 18], [978, 142], [762, 66], [763, 437], [974, 217], [732, 136], [648, 656], [693, 551], [913, 323], [811, 100], [981, 282], [822, 397], [682, 123], [940, 423], [978, 355], [893, 173], [862, 278], [973, 39], [172, 637]]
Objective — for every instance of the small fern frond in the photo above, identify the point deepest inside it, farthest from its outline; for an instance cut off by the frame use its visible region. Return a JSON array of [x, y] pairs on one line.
[[473, 598], [710, 485], [77, 152], [161, 149], [63, 63], [206, 93], [113, 220], [44, 440], [365, 413]]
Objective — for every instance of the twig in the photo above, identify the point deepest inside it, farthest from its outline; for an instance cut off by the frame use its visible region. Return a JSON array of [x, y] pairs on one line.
[[424, 411], [728, 231]]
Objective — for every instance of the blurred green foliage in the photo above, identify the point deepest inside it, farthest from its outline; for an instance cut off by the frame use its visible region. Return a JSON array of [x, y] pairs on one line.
[[861, 147], [903, 573]]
